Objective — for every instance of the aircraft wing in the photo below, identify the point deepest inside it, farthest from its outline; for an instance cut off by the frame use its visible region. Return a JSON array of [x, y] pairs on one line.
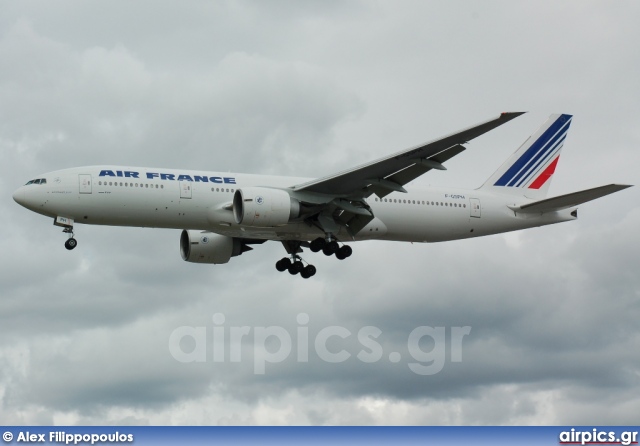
[[569, 200], [390, 173]]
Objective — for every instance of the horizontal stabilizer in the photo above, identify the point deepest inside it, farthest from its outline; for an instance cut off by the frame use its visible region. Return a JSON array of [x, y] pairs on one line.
[[569, 200]]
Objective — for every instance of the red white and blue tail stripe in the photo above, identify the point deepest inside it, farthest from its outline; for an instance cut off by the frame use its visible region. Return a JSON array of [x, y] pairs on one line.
[[529, 170]]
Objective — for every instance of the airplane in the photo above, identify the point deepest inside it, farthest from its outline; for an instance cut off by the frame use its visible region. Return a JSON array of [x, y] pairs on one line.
[[223, 215]]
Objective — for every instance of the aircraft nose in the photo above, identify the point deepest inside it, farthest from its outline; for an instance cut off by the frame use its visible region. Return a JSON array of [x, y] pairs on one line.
[[18, 196]]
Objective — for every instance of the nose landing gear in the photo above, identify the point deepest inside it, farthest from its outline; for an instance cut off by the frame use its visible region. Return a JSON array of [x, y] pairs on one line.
[[67, 227], [71, 242]]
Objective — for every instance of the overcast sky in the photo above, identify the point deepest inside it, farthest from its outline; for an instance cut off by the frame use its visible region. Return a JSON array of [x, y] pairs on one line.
[[307, 89]]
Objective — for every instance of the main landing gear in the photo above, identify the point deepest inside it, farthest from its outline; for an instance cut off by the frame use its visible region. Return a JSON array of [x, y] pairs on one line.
[[330, 247], [296, 266], [71, 242]]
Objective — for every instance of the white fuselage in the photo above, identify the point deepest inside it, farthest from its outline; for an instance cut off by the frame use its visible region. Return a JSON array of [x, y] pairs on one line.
[[169, 198]]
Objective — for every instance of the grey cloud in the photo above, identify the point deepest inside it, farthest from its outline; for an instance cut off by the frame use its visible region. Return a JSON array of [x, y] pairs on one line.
[[307, 90]]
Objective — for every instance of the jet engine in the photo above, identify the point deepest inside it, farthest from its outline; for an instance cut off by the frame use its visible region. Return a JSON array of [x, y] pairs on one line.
[[264, 207], [209, 247]]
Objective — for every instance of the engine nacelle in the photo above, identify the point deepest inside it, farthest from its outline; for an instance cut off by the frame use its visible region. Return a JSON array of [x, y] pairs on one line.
[[264, 207], [208, 247]]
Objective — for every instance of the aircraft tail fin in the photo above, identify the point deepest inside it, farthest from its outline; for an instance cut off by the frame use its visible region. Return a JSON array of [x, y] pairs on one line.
[[569, 200], [529, 170]]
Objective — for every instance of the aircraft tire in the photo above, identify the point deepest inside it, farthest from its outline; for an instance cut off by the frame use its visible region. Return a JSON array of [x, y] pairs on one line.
[[295, 268], [317, 244], [283, 264], [309, 271]]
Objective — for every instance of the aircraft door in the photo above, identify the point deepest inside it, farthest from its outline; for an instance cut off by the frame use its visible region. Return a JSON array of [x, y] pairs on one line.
[[475, 207], [85, 183], [185, 189]]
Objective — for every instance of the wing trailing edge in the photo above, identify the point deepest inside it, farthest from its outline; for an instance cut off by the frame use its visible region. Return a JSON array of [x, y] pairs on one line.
[[401, 167]]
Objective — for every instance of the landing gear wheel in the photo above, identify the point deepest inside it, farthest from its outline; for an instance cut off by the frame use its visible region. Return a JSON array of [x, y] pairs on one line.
[[308, 271], [71, 243], [330, 248], [296, 267], [317, 244], [283, 264], [344, 252]]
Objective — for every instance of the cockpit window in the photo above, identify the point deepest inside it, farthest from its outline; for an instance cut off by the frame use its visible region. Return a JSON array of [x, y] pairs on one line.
[[38, 181]]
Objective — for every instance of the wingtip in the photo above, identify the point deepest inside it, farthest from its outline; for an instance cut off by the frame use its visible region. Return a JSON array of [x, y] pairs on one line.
[[508, 116]]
